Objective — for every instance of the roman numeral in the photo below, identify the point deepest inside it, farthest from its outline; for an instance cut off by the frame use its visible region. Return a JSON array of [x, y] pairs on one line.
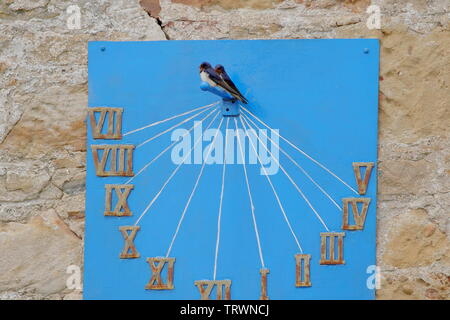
[[156, 281], [264, 273], [302, 270], [116, 154], [362, 183], [359, 217], [129, 251], [328, 252], [206, 286], [114, 129], [122, 191]]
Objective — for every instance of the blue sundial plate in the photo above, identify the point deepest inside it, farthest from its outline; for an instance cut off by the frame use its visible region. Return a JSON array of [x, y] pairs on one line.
[[321, 94]]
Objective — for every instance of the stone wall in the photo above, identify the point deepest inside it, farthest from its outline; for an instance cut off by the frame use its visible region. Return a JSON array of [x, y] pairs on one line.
[[43, 98]]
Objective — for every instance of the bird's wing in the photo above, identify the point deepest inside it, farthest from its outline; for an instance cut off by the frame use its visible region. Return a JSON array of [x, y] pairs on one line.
[[221, 83], [233, 86], [228, 81], [213, 75]]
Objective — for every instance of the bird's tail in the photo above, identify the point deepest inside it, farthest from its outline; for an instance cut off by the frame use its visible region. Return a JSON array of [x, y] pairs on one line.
[[240, 97]]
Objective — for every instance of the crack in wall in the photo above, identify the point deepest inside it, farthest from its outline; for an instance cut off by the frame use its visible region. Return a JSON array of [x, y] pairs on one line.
[[153, 8], [162, 26]]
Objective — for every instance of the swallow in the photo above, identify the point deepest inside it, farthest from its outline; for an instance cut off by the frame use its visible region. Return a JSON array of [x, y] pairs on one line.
[[210, 76], [226, 78]]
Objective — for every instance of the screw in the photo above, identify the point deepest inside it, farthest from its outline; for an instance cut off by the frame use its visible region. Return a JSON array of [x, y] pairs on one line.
[[102, 48], [366, 50]]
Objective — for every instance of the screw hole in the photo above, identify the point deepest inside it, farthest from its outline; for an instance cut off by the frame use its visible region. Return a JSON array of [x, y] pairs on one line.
[[228, 109]]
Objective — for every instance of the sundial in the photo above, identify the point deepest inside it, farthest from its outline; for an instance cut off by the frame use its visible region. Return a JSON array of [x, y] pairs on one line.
[[192, 195]]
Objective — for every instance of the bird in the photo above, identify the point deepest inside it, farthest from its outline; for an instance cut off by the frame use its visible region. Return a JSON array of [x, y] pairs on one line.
[[210, 76], [220, 69]]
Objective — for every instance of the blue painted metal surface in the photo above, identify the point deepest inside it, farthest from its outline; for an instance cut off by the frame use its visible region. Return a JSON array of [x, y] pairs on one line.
[[321, 95], [230, 108]]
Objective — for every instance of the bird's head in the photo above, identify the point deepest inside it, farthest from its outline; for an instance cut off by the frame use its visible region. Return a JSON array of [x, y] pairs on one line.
[[204, 65], [220, 69]]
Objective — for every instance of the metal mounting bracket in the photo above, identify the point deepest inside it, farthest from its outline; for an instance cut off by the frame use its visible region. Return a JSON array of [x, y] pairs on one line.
[[229, 104]]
